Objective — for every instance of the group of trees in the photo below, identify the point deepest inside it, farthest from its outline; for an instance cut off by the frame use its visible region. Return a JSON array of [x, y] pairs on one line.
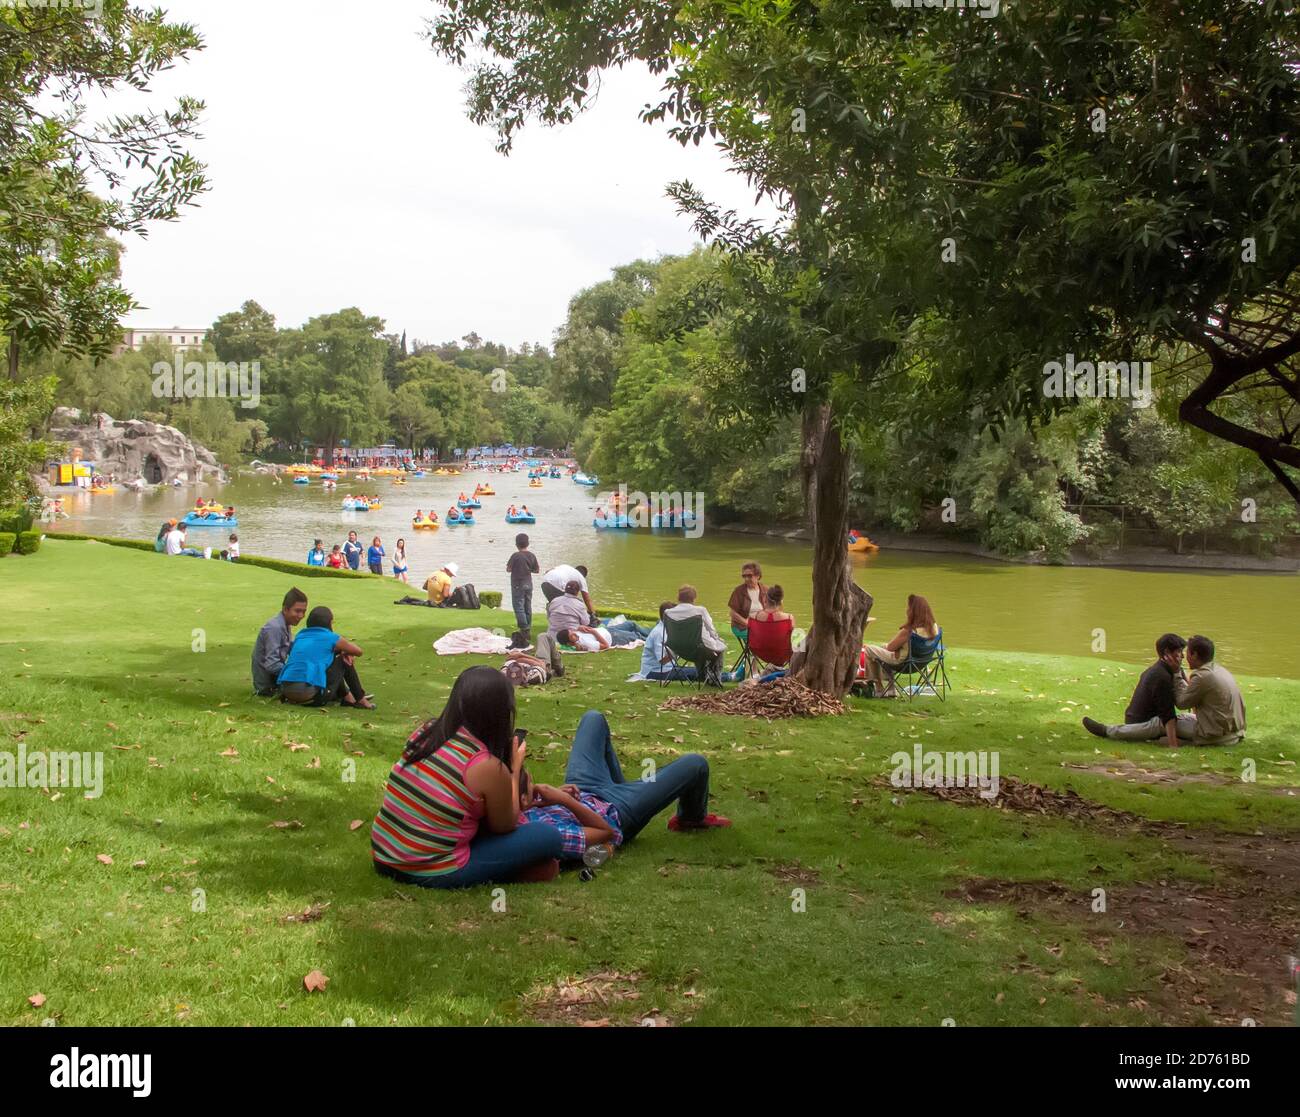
[[337, 377], [961, 200], [651, 416]]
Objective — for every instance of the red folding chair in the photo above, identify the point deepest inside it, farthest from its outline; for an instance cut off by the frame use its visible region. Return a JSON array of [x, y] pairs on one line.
[[769, 644]]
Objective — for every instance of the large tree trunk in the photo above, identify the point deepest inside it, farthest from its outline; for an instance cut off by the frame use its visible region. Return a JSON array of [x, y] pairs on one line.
[[840, 606], [13, 355]]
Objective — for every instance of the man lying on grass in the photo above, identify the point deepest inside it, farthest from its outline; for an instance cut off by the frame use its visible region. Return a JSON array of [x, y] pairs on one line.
[[582, 819]]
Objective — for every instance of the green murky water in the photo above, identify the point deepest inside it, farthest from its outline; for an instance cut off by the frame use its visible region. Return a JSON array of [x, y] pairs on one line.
[[1253, 618]]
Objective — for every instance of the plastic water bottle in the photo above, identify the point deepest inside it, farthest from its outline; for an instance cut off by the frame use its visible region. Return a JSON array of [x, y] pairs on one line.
[[593, 858]]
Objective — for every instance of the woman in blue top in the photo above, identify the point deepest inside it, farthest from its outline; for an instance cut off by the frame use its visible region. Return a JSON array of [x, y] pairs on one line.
[[375, 556], [316, 556], [321, 667]]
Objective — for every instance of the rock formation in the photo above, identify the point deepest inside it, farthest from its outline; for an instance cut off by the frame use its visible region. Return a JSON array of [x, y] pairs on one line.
[[133, 449]]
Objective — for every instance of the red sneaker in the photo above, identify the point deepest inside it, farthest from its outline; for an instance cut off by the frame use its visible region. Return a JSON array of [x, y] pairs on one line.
[[708, 822]]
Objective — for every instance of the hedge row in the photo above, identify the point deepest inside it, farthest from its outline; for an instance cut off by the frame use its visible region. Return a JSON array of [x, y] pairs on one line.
[[284, 566], [7, 542], [29, 542]]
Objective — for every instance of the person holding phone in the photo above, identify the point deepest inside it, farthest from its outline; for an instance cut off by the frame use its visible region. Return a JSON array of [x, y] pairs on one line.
[[450, 814]]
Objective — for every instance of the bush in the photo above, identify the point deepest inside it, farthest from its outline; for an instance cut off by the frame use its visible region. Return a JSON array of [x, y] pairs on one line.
[[16, 520], [301, 569], [7, 541], [490, 598], [29, 542]]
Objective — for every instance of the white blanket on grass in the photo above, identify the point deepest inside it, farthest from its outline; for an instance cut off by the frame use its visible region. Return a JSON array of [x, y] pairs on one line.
[[471, 641]]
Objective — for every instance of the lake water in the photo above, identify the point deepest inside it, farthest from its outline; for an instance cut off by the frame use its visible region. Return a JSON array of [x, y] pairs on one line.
[[1253, 618]]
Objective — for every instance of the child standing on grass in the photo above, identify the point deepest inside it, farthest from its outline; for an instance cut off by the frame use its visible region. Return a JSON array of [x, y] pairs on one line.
[[375, 556], [399, 562]]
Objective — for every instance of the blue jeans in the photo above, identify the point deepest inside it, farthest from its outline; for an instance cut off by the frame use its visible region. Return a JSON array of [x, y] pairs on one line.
[[494, 857], [521, 600], [625, 632], [593, 767]]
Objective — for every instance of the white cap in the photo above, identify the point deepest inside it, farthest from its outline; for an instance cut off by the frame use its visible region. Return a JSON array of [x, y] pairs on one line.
[[451, 568]]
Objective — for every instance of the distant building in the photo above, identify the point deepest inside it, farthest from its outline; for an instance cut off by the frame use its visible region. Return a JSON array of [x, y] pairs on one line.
[[180, 338]]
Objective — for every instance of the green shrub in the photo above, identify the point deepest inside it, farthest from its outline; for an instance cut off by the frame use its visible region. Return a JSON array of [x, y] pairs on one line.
[[301, 569], [490, 598], [136, 544], [29, 542], [16, 520], [7, 541]]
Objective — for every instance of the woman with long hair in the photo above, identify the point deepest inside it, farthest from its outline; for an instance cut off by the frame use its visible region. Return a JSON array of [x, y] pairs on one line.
[[321, 668], [457, 771], [879, 657]]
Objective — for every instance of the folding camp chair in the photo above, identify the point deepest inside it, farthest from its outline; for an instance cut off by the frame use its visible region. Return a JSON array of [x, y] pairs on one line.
[[745, 663], [768, 646], [684, 643], [924, 663]]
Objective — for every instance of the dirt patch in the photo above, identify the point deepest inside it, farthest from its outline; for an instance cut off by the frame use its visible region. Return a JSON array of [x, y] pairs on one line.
[[793, 873], [1274, 859], [598, 1000], [1130, 772], [782, 698], [1237, 939]]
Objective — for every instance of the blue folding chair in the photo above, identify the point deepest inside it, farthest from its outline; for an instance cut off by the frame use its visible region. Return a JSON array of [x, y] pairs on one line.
[[925, 665]]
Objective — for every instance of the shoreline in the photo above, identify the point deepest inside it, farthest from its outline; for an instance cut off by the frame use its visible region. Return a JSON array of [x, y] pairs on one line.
[[1153, 558]]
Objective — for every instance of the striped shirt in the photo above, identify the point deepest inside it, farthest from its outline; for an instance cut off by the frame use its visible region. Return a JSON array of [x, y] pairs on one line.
[[429, 815]]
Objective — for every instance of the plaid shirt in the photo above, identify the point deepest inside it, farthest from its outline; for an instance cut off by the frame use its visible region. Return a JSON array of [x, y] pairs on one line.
[[566, 822]]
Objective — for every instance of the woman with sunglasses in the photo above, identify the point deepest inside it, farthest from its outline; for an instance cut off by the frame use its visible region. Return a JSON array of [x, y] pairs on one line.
[[746, 600]]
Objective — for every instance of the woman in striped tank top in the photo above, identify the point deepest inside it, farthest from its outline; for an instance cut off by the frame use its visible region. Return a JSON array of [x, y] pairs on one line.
[[450, 815]]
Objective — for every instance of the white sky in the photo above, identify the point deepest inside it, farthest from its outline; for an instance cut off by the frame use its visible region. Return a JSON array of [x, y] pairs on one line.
[[345, 173]]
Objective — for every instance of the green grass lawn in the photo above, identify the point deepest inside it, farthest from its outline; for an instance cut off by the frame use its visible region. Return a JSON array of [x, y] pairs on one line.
[[97, 653]]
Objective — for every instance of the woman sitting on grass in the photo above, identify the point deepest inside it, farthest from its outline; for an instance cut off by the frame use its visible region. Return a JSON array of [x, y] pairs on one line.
[[880, 657], [458, 770], [321, 668]]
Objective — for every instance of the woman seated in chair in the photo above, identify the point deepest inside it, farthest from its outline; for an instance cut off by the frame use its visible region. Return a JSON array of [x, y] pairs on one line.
[[881, 657], [773, 611], [746, 599]]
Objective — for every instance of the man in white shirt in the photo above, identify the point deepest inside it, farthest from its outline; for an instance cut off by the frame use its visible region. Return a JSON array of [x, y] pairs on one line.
[[174, 544], [556, 580], [711, 666]]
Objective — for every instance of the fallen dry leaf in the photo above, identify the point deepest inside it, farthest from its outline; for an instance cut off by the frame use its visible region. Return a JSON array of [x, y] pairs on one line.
[[315, 982], [232, 751], [281, 824], [356, 824], [103, 858], [36, 1000]]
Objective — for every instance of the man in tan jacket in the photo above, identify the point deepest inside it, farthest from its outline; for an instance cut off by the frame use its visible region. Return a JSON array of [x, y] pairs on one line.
[[1213, 694]]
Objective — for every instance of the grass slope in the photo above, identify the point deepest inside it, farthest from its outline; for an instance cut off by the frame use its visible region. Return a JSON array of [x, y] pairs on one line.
[[98, 653]]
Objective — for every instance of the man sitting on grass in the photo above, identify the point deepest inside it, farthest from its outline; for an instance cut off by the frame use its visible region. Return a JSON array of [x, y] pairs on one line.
[[1213, 694], [271, 651], [1151, 714], [1219, 716]]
